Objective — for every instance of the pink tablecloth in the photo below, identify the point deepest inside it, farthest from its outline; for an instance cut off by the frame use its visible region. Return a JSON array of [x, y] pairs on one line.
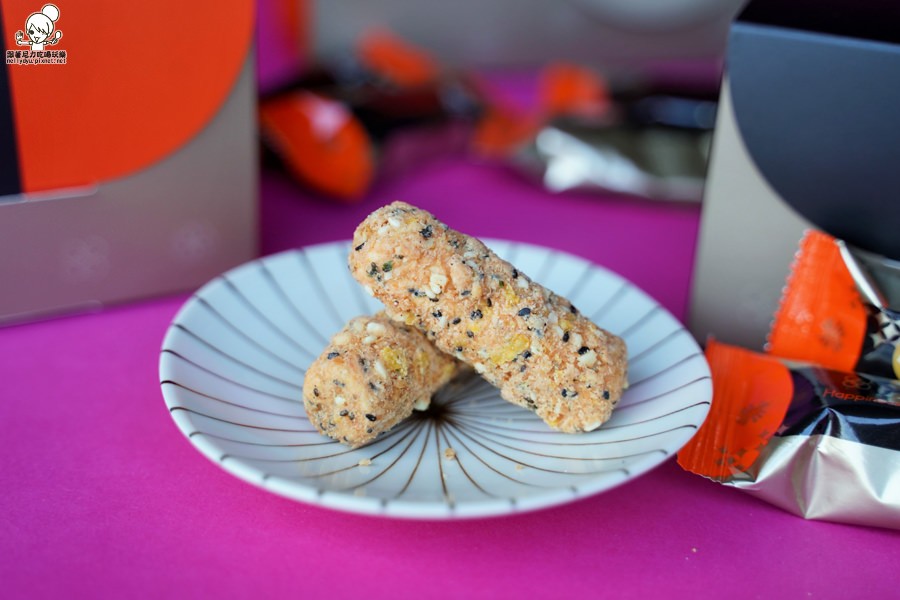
[[102, 497]]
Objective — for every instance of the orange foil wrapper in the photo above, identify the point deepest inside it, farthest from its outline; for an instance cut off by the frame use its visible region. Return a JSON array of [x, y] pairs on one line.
[[836, 309]]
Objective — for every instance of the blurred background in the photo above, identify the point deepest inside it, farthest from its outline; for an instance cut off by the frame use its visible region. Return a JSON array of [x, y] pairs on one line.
[[499, 33], [151, 185]]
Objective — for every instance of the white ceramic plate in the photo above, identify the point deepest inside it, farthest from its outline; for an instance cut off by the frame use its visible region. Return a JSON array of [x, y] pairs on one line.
[[232, 368]]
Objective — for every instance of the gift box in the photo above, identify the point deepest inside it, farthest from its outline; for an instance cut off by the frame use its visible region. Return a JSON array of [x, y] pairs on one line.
[[128, 160], [805, 138]]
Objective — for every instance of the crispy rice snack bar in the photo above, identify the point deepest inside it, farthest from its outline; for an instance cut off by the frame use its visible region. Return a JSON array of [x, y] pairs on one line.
[[370, 377], [532, 344]]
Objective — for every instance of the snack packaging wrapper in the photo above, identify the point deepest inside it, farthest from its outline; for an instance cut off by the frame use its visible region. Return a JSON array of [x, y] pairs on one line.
[[376, 113], [649, 161], [819, 443], [840, 309], [634, 141]]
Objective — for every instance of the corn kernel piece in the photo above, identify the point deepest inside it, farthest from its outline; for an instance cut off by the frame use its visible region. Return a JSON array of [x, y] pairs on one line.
[[515, 346], [395, 360], [511, 297]]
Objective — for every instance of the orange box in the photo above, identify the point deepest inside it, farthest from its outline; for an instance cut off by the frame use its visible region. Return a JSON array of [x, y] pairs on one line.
[[128, 160]]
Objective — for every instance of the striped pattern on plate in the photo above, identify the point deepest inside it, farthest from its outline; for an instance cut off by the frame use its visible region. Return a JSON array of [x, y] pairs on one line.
[[234, 358]]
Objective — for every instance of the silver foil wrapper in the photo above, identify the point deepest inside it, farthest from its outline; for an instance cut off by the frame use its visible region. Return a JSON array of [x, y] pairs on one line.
[[653, 162], [819, 443], [827, 478]]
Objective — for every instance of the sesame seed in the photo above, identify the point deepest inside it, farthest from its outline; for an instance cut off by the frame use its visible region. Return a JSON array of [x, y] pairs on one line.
[[333, 355], [524, 312], [588, 359], [371, 417], [375, 328], [583, 350], [566, 336], [358, 248], [476, 314], [426, 232], [456, 321]]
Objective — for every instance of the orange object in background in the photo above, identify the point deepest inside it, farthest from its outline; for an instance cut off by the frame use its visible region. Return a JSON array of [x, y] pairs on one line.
[[321, 142], [501, 131], [571, 90], [140, 79], [565, 90], [398, 62]]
